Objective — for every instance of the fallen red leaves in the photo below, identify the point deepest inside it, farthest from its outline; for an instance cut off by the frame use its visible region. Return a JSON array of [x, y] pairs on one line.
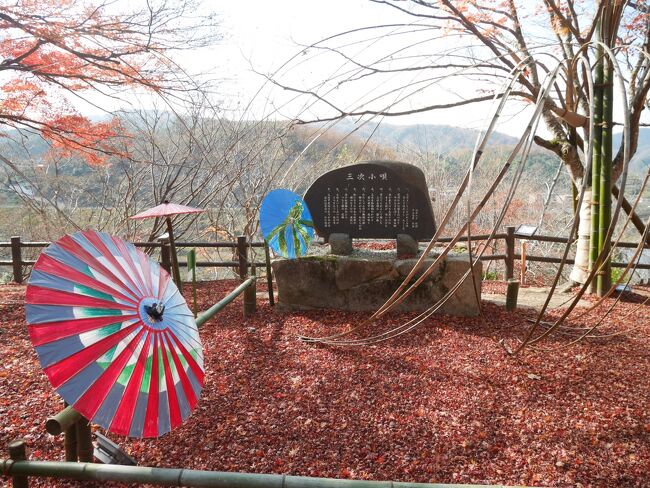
[[443, 403]]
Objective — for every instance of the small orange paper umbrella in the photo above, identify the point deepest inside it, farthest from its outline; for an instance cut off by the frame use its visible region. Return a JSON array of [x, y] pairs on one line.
[[167, 210]]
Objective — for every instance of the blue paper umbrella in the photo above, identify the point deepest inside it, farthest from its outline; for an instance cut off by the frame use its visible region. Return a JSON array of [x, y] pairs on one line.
[[286, 223]]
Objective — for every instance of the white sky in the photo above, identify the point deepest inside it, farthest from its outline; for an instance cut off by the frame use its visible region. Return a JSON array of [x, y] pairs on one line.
[[261, 35], [265, 34]]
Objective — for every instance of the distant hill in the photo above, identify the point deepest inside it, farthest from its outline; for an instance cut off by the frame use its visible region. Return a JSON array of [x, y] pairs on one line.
[[644, 137], [445, 139], [641, 159], [423, 137]]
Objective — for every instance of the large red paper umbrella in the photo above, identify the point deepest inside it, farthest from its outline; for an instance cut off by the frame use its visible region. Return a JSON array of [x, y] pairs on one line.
[[114, 335], [167, 210]]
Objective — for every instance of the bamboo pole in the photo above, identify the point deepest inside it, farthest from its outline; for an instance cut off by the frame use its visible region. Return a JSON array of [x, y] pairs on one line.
[[596, 160], [85, 447], [174, 257], [522, 271], [17, 453], [70, 444], [250, 294], [604, 277], [510, 252], [217, 307], [194, 478], [62, 421]]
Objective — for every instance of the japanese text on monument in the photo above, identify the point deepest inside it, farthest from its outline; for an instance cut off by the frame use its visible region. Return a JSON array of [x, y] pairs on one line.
[[369, 199]]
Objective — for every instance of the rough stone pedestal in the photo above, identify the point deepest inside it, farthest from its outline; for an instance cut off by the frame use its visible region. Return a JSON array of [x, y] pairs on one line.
[[366, 279], [406, 245], [340, 244]]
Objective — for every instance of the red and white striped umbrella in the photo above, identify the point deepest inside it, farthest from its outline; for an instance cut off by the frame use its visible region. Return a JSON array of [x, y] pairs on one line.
[[114, 335]]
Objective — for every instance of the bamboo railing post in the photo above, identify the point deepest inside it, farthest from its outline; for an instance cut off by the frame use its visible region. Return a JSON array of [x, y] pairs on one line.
[[65, 421], [17, 452], [62, 421], [511, 294], [510, 252], [269, 273], [84, 441], [17, 259], [70, 444]]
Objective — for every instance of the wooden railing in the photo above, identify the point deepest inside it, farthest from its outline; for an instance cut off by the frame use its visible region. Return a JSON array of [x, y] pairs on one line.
[[243, 245], [510, 237]]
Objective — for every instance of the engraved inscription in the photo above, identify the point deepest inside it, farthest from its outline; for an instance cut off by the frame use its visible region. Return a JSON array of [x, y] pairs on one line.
[[372, 200]]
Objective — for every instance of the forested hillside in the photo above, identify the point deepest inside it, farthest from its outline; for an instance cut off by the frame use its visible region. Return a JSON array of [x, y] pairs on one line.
[[228, 166]]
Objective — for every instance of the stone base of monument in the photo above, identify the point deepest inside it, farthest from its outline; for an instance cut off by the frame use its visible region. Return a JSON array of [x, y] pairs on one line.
[[364, 280]]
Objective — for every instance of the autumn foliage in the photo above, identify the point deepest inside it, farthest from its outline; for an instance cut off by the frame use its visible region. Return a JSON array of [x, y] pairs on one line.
[[442, 404], [56, 51]]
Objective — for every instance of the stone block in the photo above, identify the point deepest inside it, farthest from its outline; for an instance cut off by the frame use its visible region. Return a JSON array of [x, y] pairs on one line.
[[306, 283], [463, 301], [363, 284], [404, 267], [340, 244], [406, 245], [353, 272]]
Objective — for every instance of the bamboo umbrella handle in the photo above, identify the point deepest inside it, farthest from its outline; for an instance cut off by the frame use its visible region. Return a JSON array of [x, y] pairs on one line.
[[172, 246]]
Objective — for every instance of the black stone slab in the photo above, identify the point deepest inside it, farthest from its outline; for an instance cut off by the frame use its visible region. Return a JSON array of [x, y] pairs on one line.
[[374, 199]]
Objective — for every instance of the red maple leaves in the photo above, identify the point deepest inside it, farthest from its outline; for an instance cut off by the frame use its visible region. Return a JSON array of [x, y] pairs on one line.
[[443, 404], [57, 51]]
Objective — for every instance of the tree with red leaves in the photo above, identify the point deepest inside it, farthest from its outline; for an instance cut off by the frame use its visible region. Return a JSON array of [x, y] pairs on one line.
[[54, 51]]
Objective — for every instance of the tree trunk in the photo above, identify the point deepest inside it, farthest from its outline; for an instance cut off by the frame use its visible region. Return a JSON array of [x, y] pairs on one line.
[[580, 270]]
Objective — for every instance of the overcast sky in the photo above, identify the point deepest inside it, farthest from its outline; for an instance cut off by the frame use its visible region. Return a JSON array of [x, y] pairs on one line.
[[265, 34], [260, 36]]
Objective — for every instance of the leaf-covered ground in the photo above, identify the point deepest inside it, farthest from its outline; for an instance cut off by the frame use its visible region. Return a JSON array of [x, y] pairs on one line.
[[443, 403]]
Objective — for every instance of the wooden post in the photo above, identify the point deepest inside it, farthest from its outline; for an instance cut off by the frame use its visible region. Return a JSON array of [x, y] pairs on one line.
[[510, 252], [522, 272], [84, 441], [511, 294], [17, 452], [166, 257], [17, 259], [250, 295], [269, 273], [242, 254]]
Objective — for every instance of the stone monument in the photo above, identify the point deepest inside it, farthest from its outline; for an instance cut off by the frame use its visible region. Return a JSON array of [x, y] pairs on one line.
[[372, 200], [375, 199]]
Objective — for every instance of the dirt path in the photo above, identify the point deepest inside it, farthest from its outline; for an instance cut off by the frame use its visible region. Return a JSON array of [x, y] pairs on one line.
[[534, 297]]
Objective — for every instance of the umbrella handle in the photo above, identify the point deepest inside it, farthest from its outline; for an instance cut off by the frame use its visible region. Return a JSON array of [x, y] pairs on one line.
[[172, 247]]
